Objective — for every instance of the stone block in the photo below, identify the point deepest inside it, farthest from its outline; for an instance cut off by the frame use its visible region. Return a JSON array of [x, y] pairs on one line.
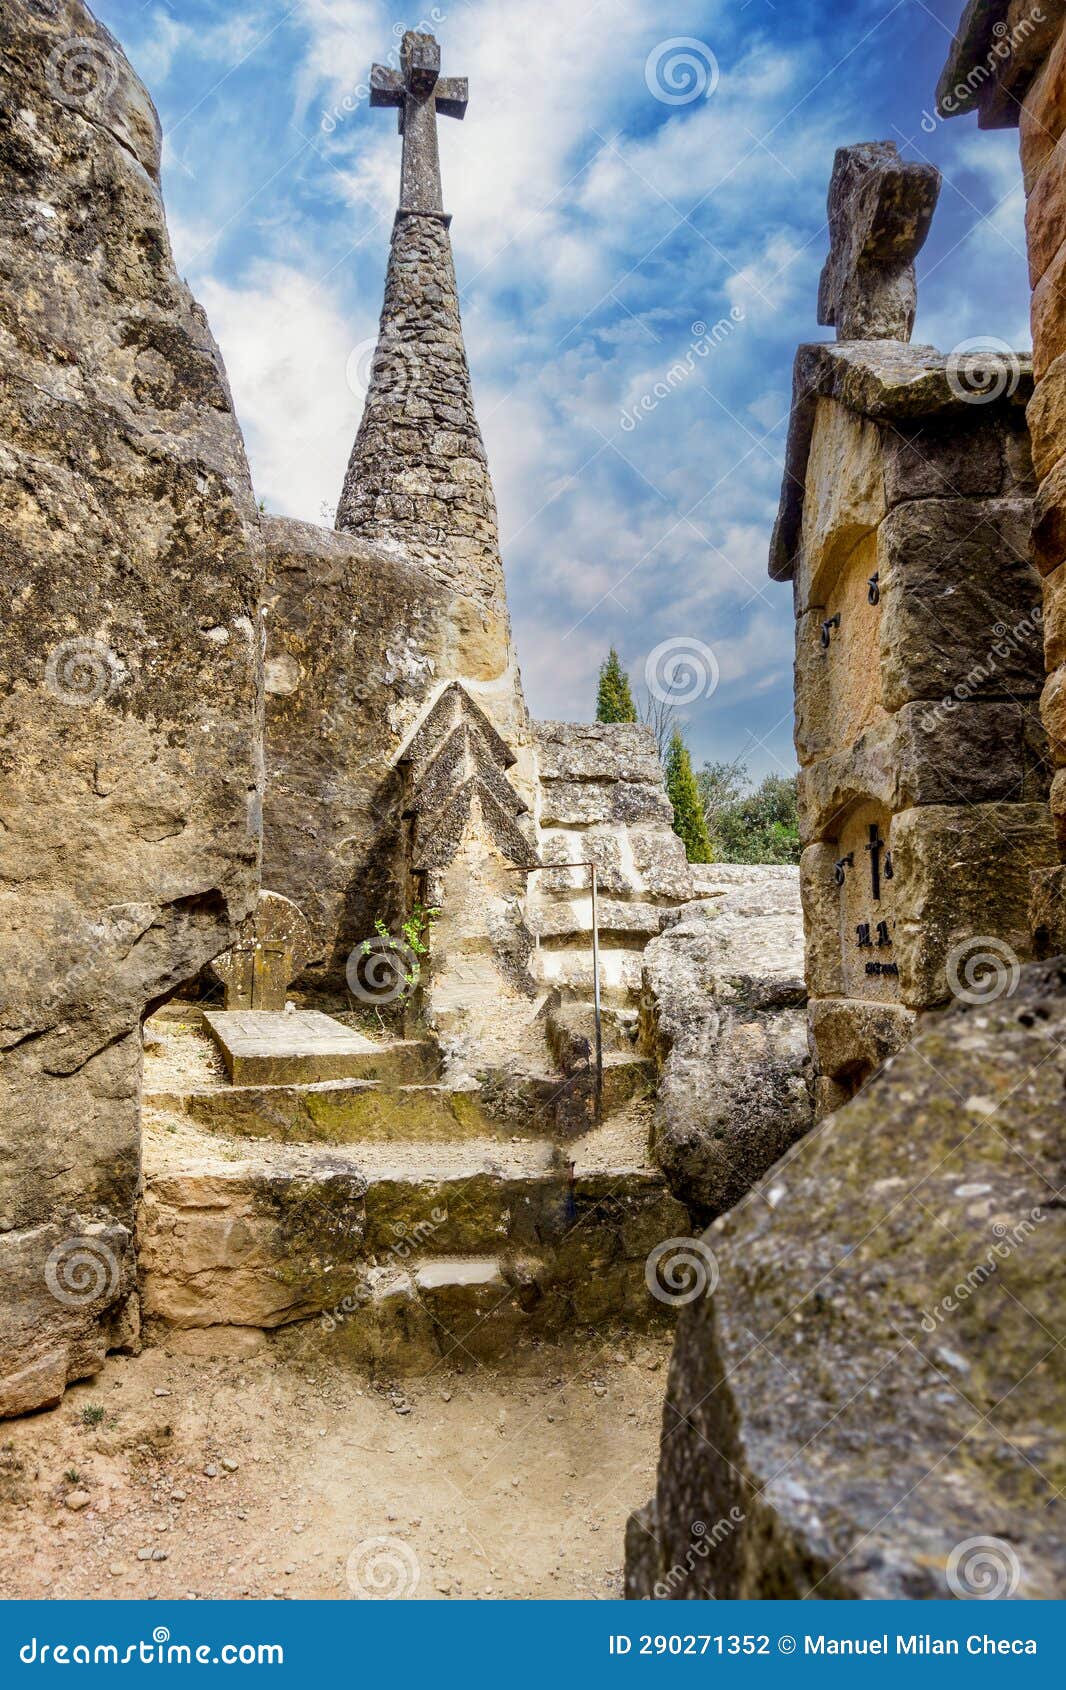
[[1053, 711], [950, 458], [847, 1280], [597, 751], [844, 497], [852, 1039], [1047, 418], [821, 899], [1047, 911], [1049, 521], [954, 574], [953, 753], [962, 887], [1048, 312], [1042, 118], [1058, 808], [1045, 215], [1055, 617], [240, 1244], [65, 1289], [660, 862], [576, 803]]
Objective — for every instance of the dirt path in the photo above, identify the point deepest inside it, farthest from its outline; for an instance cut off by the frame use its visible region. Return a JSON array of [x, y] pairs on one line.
[[275, 1475]]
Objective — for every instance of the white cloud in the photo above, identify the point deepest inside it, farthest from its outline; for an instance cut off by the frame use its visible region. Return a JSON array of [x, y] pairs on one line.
[[287, 344]]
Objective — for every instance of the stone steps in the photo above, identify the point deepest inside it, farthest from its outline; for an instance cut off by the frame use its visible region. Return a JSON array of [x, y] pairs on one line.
[[402, 1251], [358, 1111], [330, 1111]]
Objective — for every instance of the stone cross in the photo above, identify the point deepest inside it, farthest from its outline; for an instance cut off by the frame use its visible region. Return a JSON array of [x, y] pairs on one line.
[[420, 92], [880, 208], [273, 947]]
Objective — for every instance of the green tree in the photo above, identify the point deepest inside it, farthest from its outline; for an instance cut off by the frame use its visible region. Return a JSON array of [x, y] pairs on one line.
[[614, 701], [684, 795], [747, 825]]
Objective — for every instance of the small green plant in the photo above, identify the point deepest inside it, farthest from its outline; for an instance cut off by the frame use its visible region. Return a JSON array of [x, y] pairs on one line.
[[92, 1414], [412, 944], [72, 1476]]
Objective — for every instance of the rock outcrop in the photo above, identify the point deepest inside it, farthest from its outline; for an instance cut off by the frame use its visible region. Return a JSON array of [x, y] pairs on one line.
[[723, 1013], [876, 1382], [129, 677]]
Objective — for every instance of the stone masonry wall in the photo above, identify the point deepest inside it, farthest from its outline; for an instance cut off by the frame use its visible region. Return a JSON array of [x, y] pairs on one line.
[[130, 686], [924, 769], [1028, 89]]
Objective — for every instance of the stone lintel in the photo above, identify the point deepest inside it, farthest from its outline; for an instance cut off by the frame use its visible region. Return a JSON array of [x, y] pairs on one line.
[[891, 382]]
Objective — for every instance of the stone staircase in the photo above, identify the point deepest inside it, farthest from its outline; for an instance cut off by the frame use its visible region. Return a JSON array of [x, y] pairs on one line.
[[400, 1220]]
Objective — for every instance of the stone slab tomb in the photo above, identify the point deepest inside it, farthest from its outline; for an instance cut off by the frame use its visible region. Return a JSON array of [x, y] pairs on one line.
[[904, 528], [267, 1048]]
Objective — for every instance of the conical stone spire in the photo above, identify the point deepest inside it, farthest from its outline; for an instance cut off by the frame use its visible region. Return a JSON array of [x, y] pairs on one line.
[[418, 474]]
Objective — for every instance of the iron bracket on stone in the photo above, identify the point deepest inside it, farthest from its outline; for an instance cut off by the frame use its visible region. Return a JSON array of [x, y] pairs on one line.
[[828, 625], [873, 586], [841, 865]]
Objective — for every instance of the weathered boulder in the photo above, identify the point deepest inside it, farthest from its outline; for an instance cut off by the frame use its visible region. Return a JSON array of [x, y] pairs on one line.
[[129, 674], [723, 1013], [876, 1383]]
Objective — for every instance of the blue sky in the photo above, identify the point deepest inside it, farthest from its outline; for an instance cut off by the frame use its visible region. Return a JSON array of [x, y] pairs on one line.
[[594, 224]]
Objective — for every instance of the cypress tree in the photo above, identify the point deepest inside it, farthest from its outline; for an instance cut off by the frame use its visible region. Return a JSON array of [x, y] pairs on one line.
[[684, 794], [614, 701]]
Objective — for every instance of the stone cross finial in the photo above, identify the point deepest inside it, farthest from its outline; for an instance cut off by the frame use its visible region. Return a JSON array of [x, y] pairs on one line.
[[420, 92], [880, 209]]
